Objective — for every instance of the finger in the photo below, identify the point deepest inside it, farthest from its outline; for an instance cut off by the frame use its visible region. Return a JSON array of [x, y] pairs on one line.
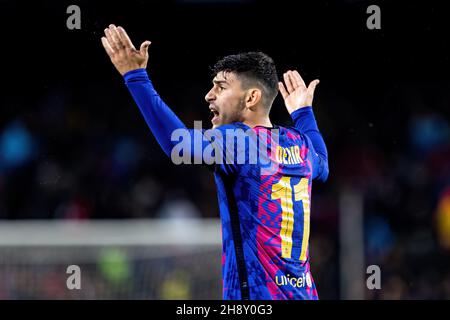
[[144, 47], [111, 42], [283, 91], [295, 83], [287, 82], [125, 38], [115, 36], [298, 78], [107, 47], [312, 87]]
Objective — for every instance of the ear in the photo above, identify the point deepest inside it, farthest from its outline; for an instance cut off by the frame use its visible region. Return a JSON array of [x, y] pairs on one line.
[[253, 98]]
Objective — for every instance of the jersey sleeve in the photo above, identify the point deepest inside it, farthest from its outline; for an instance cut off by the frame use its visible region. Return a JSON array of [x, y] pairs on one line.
[[183, 145], [305, 122]]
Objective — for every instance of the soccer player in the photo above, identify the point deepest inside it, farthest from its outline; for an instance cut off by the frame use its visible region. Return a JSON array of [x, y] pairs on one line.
[[265, 216]]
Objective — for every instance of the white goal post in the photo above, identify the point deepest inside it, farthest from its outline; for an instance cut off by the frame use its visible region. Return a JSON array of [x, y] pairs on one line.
[[118, 259]]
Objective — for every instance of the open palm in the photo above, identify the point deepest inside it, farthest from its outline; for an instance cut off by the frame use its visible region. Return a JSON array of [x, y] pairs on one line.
[[296, 95], [122, 52]]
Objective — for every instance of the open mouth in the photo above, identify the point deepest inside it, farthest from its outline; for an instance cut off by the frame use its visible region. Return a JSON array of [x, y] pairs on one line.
[[215, 115]]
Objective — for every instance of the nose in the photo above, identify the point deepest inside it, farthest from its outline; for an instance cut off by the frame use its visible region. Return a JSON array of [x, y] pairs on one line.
[[210, 96]]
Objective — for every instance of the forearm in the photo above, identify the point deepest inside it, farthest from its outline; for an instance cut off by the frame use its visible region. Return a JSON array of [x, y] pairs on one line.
[[159, 117], [163, 122], [305, 121]]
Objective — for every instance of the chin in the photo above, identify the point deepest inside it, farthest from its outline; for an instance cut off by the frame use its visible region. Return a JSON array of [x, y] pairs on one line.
[[216, 124]]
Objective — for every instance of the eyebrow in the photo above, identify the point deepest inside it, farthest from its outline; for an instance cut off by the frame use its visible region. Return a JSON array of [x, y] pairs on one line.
[[219, 81]]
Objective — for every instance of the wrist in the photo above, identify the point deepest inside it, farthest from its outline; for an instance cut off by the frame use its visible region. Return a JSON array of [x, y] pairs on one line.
[[136, 75], [300, 107], [129, 69], [300, 112]]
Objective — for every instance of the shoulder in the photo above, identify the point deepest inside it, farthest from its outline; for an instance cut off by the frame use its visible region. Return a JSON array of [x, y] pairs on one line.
[[294, 135]]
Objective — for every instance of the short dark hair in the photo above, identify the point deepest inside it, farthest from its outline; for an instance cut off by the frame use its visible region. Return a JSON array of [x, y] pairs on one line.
[[252, 68]]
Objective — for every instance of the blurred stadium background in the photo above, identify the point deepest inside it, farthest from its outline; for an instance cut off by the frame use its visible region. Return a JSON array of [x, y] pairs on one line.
[[82, 180]]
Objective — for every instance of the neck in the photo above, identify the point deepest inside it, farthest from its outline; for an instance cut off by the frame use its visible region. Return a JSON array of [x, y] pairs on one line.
[[263, 121]]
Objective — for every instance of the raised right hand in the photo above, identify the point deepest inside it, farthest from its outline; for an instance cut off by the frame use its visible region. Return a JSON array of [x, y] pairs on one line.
[[122, 52]]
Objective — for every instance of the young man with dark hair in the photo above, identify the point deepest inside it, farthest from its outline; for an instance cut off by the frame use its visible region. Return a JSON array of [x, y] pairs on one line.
[[265, 213]]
